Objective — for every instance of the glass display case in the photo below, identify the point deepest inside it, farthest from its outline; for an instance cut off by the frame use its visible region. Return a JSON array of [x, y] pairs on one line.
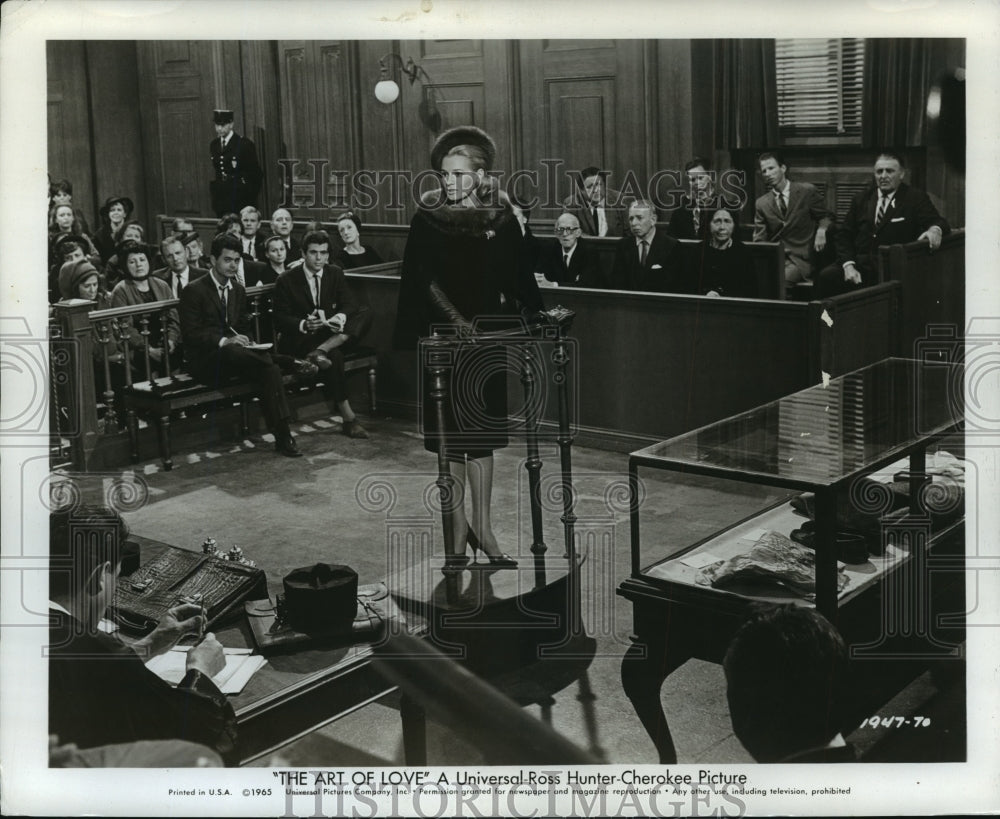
[[857, 495]]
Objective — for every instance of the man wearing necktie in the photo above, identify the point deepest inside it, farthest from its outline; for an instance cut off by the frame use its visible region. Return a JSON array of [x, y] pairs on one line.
[[568, 261], [178, 273], [690, 220], [237, 173], [597, 207], [318, 319], [794, 214], [649, 259], [888, 213], [215, 328]]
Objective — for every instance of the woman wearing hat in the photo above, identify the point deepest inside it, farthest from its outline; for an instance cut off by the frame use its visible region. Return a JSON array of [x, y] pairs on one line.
[[139, 287], [461, 262], [354, 254], [114, 212], [81, 280]]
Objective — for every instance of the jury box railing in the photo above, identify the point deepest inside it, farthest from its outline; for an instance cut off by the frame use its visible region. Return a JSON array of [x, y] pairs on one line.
[[97, 354]]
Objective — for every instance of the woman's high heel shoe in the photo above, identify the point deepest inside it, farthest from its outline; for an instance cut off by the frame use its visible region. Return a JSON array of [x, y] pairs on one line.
[[500, 561], [456, 561]]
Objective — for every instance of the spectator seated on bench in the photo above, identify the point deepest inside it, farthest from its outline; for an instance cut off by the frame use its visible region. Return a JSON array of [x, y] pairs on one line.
[[214, 326], [318, 318]]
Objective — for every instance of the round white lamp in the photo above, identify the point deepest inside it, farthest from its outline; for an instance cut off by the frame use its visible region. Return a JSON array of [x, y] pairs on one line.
[[386, 91]]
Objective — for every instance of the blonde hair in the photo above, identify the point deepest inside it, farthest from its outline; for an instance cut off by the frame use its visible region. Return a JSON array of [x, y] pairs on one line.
[[475, 155]]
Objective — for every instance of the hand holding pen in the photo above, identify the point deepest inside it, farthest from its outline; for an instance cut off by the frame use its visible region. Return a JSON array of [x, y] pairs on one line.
[[187, 618]]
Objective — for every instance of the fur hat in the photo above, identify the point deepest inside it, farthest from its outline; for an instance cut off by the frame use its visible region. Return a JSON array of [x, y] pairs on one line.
[[463, 135], [72, 274]]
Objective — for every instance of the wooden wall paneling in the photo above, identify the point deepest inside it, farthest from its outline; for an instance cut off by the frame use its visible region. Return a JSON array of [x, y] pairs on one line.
[[319, 121], [674, 114], [178, 91], [259, 66], [582, 103], [297, 114], [118, 150], [336, 118], [702, 98], [380, 143], [634, 121], [68, 122]]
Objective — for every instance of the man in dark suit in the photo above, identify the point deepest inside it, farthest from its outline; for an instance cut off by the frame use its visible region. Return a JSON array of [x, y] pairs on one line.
[[691, 219], [281, 225], [177, 273], [237, 172], [250, 235], [215, 328], [568, 261], [318, 318], [100, 692], [792, 213], [889, 213], [598, 208], [649, 259]]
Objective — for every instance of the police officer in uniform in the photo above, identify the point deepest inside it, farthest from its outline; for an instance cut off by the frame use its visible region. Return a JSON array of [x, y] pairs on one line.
[[237, 172]]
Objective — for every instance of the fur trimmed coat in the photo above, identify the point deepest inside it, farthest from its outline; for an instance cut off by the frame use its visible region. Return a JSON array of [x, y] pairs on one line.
[[460, 264], [462, 271]]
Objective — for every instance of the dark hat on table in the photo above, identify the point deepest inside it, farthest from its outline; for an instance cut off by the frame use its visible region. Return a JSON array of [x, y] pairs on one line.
[[220, 116], [321, 598], [127, 203], [72, 274], [463, 135]]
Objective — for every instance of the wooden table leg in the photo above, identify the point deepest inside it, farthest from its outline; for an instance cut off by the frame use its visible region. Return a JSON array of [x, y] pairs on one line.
[[644, 668], [414, 721]]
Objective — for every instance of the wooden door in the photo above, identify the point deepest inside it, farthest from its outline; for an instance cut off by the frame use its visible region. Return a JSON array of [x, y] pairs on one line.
[[318, 114], [583, 102], [181, 82]]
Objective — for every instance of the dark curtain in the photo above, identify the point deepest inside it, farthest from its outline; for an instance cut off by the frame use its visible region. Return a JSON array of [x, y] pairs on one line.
[[746, 94], [897, 78]]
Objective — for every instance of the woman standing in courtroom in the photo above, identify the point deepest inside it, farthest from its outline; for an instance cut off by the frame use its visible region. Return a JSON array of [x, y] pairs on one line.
[[462, 263]]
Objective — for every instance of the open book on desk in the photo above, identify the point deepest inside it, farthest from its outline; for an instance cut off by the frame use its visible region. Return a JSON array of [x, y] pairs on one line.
[[241, 665]]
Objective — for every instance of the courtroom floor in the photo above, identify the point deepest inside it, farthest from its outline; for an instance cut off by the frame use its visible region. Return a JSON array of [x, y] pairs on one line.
[[337, 504]]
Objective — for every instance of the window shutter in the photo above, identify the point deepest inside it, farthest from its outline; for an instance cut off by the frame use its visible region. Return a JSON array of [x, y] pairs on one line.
[[819, 87]]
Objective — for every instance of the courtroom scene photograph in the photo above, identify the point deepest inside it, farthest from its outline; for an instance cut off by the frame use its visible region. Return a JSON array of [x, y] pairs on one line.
[[506, 403]]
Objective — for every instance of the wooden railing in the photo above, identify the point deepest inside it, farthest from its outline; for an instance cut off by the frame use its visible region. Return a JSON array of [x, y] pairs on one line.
[[647, 365], [933, 285]]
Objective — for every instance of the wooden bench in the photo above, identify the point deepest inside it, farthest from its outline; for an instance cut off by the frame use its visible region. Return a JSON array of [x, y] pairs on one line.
[[159, 398]]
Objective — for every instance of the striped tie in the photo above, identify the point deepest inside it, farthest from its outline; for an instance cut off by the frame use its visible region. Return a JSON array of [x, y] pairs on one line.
[[883, 206]]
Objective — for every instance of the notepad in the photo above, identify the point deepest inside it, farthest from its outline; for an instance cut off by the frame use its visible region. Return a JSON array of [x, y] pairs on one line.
[[241, 665], [259, 346]]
